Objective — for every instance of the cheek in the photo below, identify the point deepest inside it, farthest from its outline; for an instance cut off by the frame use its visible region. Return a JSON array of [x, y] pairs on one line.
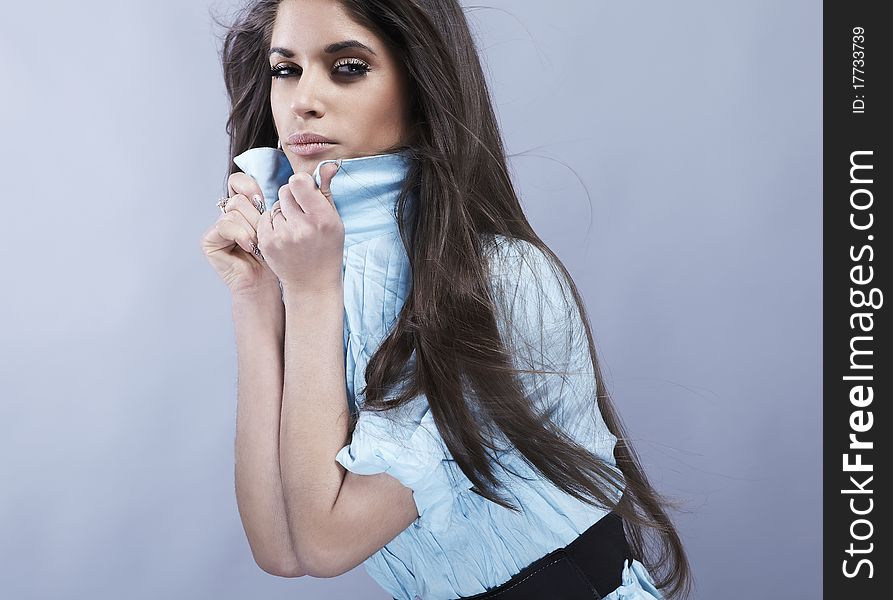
[[381, 110], [277, 104], [382, 113]]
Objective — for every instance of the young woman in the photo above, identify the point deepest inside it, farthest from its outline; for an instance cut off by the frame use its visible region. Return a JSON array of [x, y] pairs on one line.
[[418, 386]]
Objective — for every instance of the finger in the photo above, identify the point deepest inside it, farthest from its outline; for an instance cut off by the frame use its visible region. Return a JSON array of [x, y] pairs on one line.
[[212, 240], [326, 173], [277, 219], [276, 216], [265, 229], [242, 183], [305, 193], [243, 222], [234, 227], [239, 203], [288, 204]]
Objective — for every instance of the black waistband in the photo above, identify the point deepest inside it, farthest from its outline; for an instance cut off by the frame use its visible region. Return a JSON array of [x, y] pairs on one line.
[[600, 552], [596, 555]]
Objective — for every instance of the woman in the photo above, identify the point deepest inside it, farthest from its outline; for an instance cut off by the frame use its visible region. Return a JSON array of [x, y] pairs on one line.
[[418, 387]]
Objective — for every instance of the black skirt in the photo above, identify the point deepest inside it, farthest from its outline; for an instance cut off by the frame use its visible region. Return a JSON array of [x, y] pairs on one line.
[[589, 567]]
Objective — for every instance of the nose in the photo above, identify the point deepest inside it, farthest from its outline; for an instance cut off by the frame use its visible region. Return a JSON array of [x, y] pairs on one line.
[[307, 96]]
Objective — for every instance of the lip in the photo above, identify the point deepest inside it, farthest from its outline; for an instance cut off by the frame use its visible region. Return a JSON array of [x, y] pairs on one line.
[[308, 144], [309, 149], [309, 137]]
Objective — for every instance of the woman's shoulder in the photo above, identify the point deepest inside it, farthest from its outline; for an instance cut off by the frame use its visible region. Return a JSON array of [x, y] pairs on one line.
[[520, 269]]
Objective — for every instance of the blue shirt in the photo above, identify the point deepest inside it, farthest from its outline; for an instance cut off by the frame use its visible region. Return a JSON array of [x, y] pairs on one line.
[[461, 544]]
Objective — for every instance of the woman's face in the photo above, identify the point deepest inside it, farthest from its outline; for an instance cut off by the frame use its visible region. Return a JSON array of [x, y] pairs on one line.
[[353, 95]]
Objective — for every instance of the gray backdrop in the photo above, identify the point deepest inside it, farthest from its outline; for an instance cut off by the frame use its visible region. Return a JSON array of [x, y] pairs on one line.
[[695, 128]]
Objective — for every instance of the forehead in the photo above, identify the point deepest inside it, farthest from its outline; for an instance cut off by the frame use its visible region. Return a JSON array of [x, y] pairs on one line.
[[307, 24]]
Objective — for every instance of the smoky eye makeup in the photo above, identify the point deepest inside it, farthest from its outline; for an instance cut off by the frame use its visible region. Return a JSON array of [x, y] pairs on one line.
[[352, 66], [348, 68]]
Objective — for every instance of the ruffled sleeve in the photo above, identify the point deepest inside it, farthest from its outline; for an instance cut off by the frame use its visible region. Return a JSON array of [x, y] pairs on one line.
[[407, 446]]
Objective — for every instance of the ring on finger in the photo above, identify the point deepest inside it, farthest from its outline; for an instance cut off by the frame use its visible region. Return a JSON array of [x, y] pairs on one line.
[[221, 204]]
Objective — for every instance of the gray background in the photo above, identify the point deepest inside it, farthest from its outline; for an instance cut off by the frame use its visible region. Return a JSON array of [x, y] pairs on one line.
[[695, 128]]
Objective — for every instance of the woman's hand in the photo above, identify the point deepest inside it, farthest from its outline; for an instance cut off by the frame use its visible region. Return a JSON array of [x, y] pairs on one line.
[[227, 244], [302, 237]]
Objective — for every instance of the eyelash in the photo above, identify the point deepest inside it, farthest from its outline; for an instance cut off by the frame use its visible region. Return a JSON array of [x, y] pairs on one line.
[[275, 73]]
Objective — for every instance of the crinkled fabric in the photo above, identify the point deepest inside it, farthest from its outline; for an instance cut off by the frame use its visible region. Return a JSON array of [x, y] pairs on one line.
[[461, 544], [635, 584]]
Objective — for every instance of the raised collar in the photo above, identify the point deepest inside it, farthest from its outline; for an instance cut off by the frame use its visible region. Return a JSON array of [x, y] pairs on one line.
[[365, 189]]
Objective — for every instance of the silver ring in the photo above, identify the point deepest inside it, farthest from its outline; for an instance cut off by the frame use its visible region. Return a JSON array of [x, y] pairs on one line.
[[221, 204], [259, 204], [276, 211]]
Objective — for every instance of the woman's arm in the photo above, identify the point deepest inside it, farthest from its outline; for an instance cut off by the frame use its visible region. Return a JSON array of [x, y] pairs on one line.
[[314, 413], [259, 321], [337, 519]]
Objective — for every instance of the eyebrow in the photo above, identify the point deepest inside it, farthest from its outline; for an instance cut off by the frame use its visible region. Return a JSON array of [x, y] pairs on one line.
[[330, 49]]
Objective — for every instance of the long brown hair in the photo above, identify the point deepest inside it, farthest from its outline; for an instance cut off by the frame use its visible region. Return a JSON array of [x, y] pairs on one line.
[[465, 196]]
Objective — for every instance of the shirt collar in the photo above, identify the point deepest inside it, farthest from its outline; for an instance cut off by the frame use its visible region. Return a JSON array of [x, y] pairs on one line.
[[365, 189]]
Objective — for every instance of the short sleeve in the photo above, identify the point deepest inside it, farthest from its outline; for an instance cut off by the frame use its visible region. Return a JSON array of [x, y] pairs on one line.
[[407, 445], [543, 327]]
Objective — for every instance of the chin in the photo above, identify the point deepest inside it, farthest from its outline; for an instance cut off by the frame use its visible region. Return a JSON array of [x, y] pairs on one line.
[[306, 164]]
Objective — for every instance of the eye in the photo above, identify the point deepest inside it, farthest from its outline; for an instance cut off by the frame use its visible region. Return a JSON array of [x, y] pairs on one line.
[[276, 72], [352, 68], [355, 67]]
